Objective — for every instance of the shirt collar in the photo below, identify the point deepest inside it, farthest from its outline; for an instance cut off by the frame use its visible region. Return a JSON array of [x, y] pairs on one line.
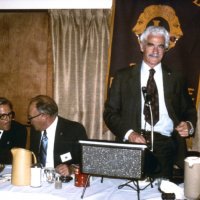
[[145, 68], [52, 127], [1, 133]]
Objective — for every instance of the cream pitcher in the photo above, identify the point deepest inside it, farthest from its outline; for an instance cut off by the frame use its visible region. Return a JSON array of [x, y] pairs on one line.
[[21, 166], [192, 178]]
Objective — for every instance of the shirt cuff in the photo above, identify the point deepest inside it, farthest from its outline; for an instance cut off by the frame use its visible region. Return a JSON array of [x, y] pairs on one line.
[[127, 135]]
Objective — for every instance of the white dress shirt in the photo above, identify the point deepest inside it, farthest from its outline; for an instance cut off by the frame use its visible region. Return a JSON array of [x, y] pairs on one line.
[[51, 132], [165, 124], [1, 133]]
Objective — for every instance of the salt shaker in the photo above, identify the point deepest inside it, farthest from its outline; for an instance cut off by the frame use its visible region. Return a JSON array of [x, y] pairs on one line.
[[58, 183]]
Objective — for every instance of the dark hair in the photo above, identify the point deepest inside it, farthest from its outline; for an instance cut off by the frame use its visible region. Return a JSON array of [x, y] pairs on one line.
[[45, 104], [5, 101]]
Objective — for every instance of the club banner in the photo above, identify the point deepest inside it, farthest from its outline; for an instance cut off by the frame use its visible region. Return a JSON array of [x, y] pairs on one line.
[[180, 18]]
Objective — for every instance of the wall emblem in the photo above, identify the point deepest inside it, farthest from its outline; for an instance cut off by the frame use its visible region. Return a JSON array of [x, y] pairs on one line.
[[160, 15], [197, 2]]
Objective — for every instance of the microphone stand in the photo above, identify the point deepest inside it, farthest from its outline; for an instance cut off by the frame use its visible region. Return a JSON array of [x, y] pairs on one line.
[[147, 102], [152, 129]]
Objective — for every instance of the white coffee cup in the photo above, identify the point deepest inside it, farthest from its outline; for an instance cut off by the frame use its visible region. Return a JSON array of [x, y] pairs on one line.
[[36, 177]]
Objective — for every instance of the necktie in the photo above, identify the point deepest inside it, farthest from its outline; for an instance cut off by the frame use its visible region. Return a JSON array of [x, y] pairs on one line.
[[43, 148], [153, 92]]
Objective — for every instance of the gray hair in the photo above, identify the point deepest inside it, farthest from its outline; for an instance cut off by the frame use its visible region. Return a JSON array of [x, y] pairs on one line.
[[155, 30], [45, 104]]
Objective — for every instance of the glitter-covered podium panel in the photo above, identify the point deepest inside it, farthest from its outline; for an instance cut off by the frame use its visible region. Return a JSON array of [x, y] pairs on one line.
[[113, 159]]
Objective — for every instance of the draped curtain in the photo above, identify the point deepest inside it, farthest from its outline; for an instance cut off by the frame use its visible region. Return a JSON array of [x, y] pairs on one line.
[[80, 41], [196, 139]]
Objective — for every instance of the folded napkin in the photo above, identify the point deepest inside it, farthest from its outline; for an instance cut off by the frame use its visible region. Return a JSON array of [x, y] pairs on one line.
[[169, 187]]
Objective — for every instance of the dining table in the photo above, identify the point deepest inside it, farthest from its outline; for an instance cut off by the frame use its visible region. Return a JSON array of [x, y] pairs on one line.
[[100, 188]]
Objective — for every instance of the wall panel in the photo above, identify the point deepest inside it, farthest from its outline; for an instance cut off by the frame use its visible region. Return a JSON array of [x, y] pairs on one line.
[[24, 58]]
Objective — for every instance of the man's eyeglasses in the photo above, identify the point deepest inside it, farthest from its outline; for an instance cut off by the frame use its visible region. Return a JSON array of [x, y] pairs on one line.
[[32, 117], [5, 116]]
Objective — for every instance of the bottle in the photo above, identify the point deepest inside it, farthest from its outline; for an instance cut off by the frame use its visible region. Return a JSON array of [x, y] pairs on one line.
[[81, 179]]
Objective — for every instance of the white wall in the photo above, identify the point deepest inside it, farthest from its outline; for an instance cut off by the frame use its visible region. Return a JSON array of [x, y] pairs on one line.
[[55, 4]]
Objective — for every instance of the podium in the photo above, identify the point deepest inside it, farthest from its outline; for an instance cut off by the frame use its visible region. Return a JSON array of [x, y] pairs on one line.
[[111, 159]]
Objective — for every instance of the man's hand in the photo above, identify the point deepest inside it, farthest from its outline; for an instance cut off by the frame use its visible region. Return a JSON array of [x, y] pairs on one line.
[[136, 138], [183, 129], [63, 170]]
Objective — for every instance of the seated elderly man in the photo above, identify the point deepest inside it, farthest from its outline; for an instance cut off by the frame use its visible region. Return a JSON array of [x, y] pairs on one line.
[[12, 133], [53, 139]]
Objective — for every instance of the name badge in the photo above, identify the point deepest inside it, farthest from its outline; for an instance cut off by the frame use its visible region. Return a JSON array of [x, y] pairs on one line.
[[65, 157]]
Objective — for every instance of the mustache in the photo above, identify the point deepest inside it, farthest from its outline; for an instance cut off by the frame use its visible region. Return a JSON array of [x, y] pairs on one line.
[[154, 55]]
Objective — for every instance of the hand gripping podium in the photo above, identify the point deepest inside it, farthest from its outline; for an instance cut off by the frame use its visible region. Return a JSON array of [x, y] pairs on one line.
[[111, 159]]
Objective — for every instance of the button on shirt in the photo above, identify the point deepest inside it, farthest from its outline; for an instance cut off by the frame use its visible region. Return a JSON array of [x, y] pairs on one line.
[[165, 124]]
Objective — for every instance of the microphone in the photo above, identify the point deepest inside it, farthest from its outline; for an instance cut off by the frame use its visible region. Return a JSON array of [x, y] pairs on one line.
[[147, 102], [147, 97]]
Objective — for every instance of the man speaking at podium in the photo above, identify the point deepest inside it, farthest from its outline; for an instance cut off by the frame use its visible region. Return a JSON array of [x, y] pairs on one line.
[[128, 108]]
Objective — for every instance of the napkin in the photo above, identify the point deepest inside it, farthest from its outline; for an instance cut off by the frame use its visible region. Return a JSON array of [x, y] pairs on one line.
[[169, 187]]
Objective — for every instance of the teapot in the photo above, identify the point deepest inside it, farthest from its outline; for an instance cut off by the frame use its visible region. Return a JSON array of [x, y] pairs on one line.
[[21, 166]]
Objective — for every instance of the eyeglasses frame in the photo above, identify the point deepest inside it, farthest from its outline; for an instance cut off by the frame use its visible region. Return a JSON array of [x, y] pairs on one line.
[[32, 117], [5, 115]]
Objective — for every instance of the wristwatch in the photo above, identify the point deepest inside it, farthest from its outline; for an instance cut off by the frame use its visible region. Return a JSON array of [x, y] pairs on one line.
[[190, 128]]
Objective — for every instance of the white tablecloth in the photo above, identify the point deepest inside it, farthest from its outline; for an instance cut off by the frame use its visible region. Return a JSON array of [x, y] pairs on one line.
[[108, 190]]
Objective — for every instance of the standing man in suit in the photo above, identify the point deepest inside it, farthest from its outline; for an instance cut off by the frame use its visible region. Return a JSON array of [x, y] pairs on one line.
[[12, 133], [63, 135], [124, 107]]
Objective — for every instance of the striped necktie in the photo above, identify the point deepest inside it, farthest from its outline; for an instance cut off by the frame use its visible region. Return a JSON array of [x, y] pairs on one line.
[[153, 92], [43, 149]]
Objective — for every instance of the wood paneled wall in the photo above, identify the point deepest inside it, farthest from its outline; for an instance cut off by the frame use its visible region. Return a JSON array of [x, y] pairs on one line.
[[25, 58]]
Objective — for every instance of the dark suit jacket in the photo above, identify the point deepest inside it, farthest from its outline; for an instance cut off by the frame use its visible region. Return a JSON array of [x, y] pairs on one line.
[[68, 133], [15, 137], [123, 106]]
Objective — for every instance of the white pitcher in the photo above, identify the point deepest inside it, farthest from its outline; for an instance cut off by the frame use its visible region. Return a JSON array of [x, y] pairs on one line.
[[192, 177]]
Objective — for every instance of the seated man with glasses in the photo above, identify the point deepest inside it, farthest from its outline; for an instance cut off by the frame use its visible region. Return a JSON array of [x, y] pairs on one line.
[[12, 133], [54, 139]]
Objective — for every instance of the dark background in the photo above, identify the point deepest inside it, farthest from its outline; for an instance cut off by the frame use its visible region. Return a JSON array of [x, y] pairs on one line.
[[186, 53]]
